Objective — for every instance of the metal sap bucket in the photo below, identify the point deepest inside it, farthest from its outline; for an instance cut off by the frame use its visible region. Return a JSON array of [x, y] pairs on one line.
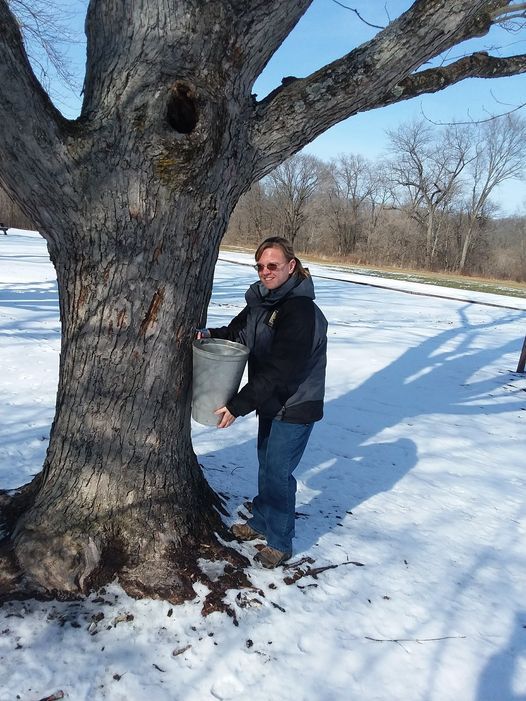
[[218, 366]]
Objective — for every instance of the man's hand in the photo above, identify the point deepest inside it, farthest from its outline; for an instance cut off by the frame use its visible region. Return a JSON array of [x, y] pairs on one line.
[[226, 418]]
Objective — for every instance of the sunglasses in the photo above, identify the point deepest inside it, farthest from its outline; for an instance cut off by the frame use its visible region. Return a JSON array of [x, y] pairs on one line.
[[260, 267]]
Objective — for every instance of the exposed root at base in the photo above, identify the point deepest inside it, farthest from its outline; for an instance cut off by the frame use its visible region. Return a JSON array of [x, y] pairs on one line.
[[170, 578], [167, 580], [14, 585], [70, 566], [11, 577], [15, 502]]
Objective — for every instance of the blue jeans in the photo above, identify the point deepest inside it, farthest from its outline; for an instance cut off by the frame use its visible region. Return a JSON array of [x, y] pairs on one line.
[[280, 447]]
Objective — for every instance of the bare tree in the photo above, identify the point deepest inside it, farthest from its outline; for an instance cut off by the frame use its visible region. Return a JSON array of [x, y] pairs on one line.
[[499, 154], [351, 187], [292, 185], [133, 199], [426, 172]]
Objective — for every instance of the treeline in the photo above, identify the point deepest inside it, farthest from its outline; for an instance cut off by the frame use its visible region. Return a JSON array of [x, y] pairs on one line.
[[429, 204]]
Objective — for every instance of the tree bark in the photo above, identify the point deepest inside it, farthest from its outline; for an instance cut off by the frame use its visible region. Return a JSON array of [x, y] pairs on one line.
[[120, 478]]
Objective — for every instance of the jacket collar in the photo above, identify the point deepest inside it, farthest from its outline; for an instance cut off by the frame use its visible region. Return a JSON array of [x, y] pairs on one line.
[[258, 295]]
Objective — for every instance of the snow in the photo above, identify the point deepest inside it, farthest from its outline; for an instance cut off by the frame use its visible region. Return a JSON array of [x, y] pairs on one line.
[[413, 485]]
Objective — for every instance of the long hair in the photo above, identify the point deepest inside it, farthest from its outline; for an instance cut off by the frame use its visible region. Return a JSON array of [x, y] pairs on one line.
[[288, 252]]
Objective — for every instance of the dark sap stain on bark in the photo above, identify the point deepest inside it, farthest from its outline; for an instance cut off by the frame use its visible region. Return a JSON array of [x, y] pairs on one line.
[[157, 253], [121, 317], [151, 316]]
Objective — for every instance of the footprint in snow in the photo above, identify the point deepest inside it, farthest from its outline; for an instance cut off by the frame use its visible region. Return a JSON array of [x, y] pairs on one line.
[[226, 688]]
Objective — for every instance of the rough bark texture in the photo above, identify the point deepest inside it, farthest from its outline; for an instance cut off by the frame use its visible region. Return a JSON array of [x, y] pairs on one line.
[[133, 199]]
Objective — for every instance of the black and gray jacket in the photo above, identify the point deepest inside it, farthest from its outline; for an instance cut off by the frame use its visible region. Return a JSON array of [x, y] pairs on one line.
[[287, 336]]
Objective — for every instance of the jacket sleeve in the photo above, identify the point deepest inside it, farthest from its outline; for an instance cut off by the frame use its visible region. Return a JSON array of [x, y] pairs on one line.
[[235, 329], [279, 375]]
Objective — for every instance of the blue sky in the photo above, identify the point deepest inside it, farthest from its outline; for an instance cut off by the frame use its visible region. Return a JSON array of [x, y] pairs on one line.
[[328, 31]]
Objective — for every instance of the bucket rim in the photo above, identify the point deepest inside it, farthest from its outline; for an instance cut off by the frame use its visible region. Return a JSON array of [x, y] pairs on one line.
[[199, 344]]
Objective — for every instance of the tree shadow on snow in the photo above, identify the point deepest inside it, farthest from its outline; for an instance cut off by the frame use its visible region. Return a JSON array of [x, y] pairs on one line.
[[38, 298], [497, 678]]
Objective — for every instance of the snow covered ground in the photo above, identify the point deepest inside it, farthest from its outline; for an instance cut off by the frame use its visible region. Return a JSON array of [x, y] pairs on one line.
[[413, 486]]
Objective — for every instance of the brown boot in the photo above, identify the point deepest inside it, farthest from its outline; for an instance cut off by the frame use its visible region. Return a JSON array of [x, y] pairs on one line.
[[270, 557], [243, 531]]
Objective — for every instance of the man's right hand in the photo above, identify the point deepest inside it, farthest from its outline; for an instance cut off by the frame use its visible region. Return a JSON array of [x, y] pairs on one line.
[[226, 419]]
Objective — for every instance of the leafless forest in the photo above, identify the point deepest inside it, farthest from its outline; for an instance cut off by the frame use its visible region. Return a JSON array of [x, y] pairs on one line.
[[431, 203]]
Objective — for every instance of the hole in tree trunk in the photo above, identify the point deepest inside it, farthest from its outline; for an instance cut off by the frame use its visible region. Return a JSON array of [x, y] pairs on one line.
[[181, 111]]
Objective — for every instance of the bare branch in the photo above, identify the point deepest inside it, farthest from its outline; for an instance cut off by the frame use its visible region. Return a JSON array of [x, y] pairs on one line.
[[491, 118], [478, 65], [510, 12], [414, 640], [292, 185], [264, 28], [369, 24], [45, 30]]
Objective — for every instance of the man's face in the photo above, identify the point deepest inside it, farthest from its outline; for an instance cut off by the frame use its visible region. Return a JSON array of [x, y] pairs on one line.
[[272, 279]]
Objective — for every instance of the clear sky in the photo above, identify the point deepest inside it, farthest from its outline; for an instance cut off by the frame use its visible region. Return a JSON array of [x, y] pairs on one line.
[[328, 31]]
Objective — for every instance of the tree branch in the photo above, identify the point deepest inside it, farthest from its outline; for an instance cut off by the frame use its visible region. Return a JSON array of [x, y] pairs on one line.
[[45, 30], [297, 113], [478, 65], [362, 19], [31, 139], [414, 640], [504, 14], [264, 27]]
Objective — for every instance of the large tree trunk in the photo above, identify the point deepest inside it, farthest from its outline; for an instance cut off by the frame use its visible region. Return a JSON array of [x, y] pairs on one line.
[[121, 488]]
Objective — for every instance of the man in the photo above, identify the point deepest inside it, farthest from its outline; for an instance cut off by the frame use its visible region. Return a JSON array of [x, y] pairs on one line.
[[287, 336]]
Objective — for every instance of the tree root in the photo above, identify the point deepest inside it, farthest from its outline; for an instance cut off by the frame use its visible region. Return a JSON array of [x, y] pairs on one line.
[[67, 566], [173, 579], [15, 502], [164, 580], [14, 585], [10, 574], [66, 569]]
